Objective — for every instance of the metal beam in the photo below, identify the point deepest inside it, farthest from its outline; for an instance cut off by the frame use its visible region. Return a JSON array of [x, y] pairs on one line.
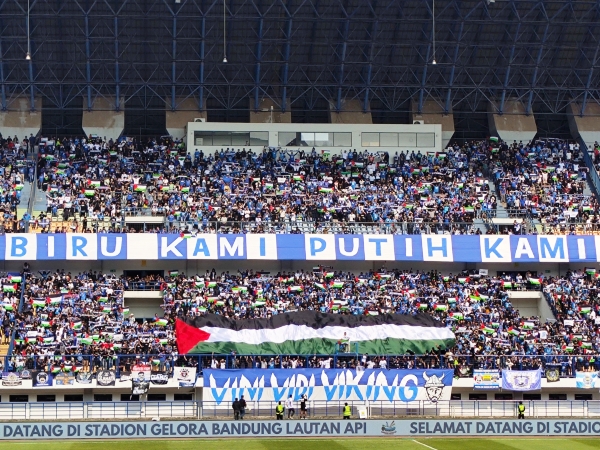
[[447, 105], [174, 62], [259, 34], [588, 83], [424, 74], [2, 78], [286, 57], [88, 64], [423, 79], [202, 55], [510, 62], [537, 66], [30, 63], [342, 56], [117, 74], [370, 55]]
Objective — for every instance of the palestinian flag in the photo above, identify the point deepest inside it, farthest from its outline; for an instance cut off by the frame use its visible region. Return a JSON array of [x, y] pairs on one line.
[[55, 299], [76, 325], [140, 188], [310, 332], [324, 190], [457, 315], [535, 281], [528, 325], [463, 280], [295, 289], [338, 285], [9, 288], [89, 192], [586, 345], [585, 309], [85, 341], [161, 322], [39, 303], [320, 286], [440, 307], [173, 273], [8, 306], [14, 278], [487, 330], [211, 284], [590, 270], [513, 332], [125, 311], [422, 306], [507, 284]]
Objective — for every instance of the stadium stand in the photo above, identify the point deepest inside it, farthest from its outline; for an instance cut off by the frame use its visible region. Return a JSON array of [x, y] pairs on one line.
[[79, 322], [96, 186]]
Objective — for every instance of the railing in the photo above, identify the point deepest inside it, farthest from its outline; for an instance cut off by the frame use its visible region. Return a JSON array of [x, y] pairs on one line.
[[143, 285], [463, 365], [443, 408], [77, 226], [98, 410], [316, 409], [11, 345], [132, 211], [593, 173], [306, 227]]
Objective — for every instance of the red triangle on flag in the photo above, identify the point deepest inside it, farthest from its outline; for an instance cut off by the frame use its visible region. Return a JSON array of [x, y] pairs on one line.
[[188, 336]]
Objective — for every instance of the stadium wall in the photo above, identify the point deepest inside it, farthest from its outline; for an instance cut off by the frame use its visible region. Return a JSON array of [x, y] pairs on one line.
[[314, 428], [390, 138]]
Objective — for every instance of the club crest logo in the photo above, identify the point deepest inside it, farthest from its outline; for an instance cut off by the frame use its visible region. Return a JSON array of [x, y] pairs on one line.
[[388, 428]]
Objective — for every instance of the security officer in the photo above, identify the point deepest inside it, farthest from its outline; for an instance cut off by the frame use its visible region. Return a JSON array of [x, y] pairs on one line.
[[521, 409], [236, 409], [279, 411], [347, 411]]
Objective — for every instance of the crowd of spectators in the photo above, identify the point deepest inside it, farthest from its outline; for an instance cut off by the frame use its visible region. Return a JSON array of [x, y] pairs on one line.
[[91, 184], [80, 322], [545, 180], [15, 171]]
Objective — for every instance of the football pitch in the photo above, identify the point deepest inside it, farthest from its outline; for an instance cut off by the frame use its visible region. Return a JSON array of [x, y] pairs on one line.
[[390, 443]]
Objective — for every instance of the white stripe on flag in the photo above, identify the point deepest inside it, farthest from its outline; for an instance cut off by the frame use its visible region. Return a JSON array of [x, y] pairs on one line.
[[299, 332]]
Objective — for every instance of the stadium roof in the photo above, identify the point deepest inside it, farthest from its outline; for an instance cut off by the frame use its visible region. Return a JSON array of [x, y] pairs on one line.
[[544, 53]]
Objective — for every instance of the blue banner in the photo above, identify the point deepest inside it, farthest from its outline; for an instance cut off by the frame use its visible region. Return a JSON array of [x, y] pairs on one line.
[[586, 380], [223, 386], [522, 380], [309, 247]]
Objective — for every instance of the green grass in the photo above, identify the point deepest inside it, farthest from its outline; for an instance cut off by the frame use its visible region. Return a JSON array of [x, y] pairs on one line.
[[390, 443]]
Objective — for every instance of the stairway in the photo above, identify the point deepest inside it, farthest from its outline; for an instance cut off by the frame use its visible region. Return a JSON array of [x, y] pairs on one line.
[[4, 349]]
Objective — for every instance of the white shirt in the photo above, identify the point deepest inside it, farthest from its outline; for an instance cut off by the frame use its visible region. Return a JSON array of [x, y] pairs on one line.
[[289, 404]]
